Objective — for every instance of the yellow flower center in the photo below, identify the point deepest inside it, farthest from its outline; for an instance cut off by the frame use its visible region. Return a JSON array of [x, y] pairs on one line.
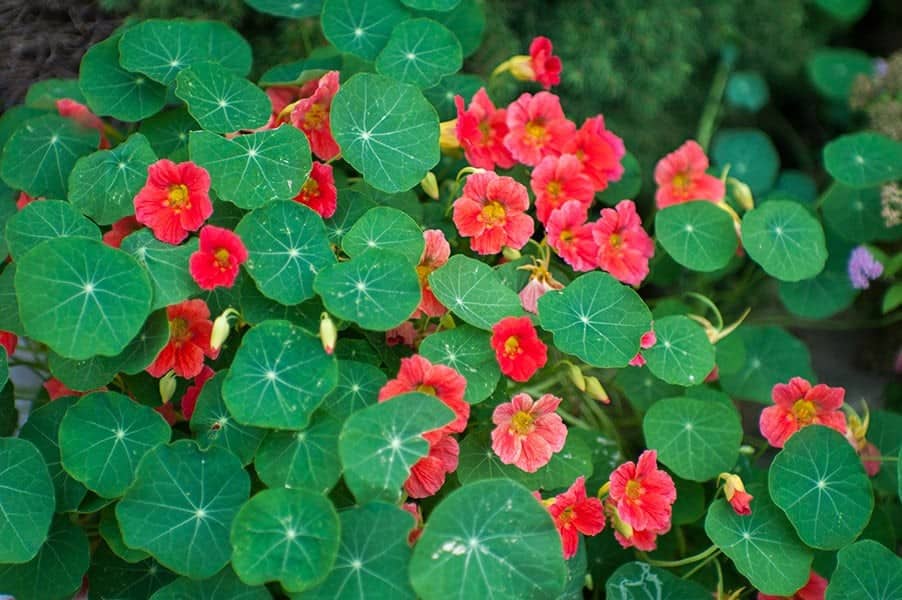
[[512, 347], [804, 411], [486, 130], [311, 188], [221, 256], [493, 214], [566, 236], [633, 489], [566, 516], [521, 423], [535, 132], [553, 188], [423, 272], [179, 332], [614, 240], [426, 389], [178, 198], [315, 116], [681, 181]]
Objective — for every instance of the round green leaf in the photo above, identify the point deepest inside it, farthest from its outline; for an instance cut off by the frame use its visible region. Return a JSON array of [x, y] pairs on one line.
[[490, 539], [643, 389], [167, 266], [847, 11], [819, 482], [372, 557], [437, 5], [302, 459], [293, 9], [698, 235], [224, 584], [56, 571], [597, 319], [181, 506], [797, 184], [278, 377], [386, 130], [747, 90], [351, 206], [9, 316], [361, 27], [771, 356], [751, 156], [221, 101], [47, 220], [112, 535], [682, 354], [301, 71], [466, 350], [284, 535], [420, 52], [161, 49], [255, 169], [386, 229], [885, 432], [103, 437], [111, 91], [83, 375], [824, 295], [256, 308], [762, 545], [466, 22], [358, 387], [474, 292], [377, 290], [861, 160], [785, 240], [636, 580], [866, 569], [26, 495], [81, 297], [696, 439], [41, 153], [287, 247], [854, 214], [168, 132], [44, 94], [379, 444], [214, 425], [442, 95], [103, 185], [112, 577], [42, 430], [834, 70]]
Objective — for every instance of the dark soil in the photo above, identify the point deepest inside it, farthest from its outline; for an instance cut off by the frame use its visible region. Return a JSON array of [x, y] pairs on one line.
[[41, 39]]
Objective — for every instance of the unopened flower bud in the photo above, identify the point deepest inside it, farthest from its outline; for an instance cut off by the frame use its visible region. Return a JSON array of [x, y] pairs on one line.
[[596, 390], [447, 137], [742, 193], [447, 321], [221, 329], [430, 185], [327, 332], [167, 386], [734, 492], [576, 376], [510, 253]]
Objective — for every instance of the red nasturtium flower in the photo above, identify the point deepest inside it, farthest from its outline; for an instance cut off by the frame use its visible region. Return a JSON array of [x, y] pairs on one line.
[[642, 498], [189, 340], [491, 212], [571, 237], [574, 513], [435, 254], [57, 389], [175, 200], [417, 530], [599, 150], [797, 404], [681, 177], [814, 589], [82, 115], [647, 340], [319, 191], [311, 115], [121, 230], [417, 374], [427, 475], [480, 130], [217, 260], [557, 180], [517, 346], [545, 67], [734, 492], [404, 334], [24, 200], [9, 341], [527, 433], [624, 248], [189, 400], [537, 128]]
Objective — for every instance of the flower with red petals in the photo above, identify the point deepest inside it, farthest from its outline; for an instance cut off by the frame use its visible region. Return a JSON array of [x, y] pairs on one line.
[[643, 494], [624, 248], [491, 211], [24, 200], [557, 180], [404, 334], [167, 411], [9, 341], [647, 340], [435, 254], [175, 200], [319, 191], [480, 130], [628, 536], [121, 230], [814, 589], [681, 177], [734, 492], [189, 340], [57, 389], [574, 513], [545, 66], [311, 115], [797, 404], [517, 346], [417, 374], [537, 128], [427, 475], [527, 433], [571, 237], [189, 400], [599, 150], [417, 530], [82, 115], [540, 281], [217, 260]]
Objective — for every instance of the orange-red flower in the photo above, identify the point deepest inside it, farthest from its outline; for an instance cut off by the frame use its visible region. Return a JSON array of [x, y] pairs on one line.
[[82, 115], [189, 340], [571, 237], [311, 115], [480, 130], [9, 341], [175, 200], [217, 260], [624, 248], [796, 405], [427, 475], [537, 128], [643, 493], [491, 212], [121, 230], [574, 513], [681, 177], [814, 589], [545, 66], [599, 150], [517, 346], [319, 191], [528, 433], [734, 492], [417, 374], [435, 254], [189, 400], [557, 180]]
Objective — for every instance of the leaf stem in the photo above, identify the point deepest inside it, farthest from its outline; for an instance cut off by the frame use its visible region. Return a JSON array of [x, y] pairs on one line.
[[574, 420], [708, 552], [712, 105]]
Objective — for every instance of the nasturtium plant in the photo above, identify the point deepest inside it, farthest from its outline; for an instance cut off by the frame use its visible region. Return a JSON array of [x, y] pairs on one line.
[[333, 302]]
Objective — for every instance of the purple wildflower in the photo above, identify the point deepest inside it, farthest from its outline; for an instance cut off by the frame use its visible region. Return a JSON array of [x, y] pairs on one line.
[[863, 268]]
